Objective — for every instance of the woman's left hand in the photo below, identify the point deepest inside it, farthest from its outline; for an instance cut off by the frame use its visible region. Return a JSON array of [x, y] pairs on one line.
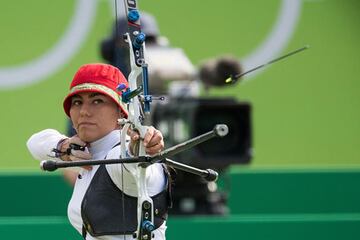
[[153, 140]]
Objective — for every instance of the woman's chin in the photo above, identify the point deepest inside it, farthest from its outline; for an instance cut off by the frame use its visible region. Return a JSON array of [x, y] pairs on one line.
[[87, 137]]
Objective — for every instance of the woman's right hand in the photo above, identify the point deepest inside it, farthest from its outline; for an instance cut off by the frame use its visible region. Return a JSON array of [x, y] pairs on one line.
[[75, 155]]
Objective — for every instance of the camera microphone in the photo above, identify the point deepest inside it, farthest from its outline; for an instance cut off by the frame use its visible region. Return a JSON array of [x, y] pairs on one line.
[[215, 71]]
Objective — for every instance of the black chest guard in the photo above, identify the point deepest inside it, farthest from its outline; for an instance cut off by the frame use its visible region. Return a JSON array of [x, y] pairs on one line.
[[105, 207]]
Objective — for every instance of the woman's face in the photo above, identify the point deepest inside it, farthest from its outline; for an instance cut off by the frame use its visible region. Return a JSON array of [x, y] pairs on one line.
[[93, 115]]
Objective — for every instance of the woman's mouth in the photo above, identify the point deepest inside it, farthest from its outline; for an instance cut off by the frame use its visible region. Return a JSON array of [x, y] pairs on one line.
[[86, 124]]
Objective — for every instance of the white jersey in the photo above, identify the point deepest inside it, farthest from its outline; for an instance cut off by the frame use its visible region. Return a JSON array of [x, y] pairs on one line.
[[41, 144]]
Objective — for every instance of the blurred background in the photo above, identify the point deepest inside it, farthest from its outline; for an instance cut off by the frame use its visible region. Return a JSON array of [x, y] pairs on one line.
[[298, 174]]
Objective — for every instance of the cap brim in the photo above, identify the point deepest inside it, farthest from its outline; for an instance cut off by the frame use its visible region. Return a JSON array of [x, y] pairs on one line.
[[67, 100]]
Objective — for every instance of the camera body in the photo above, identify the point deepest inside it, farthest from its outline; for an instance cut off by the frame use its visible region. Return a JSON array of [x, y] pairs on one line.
[[180, 119]]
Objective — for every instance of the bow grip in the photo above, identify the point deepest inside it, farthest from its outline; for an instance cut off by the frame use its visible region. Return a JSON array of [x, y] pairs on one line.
[[140, 148]]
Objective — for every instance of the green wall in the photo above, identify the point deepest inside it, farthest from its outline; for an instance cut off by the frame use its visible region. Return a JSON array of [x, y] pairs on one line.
[[305, 108], [265, 204]]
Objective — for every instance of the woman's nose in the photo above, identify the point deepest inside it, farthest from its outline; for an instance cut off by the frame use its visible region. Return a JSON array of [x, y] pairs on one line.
[[85, 110]]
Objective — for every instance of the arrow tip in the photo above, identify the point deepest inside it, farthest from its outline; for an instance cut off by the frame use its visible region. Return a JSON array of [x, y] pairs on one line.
[[228, 80]]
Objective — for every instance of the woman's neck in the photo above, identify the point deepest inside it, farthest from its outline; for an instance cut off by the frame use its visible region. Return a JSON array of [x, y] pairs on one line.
[[104, 144]]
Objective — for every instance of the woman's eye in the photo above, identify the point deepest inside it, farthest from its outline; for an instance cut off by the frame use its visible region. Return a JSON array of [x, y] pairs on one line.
[[97, 101], [76, 103]]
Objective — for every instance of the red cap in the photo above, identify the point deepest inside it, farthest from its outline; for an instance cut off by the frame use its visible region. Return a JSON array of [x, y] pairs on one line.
[[97, 77]]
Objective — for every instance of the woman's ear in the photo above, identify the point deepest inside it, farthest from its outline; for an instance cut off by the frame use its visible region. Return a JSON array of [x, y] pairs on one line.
[[120, 113]]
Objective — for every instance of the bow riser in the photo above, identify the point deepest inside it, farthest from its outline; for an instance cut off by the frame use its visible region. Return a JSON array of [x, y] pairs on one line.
[[135, 39]]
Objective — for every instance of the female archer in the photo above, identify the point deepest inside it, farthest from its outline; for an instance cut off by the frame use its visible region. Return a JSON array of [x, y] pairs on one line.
[[104, 201]]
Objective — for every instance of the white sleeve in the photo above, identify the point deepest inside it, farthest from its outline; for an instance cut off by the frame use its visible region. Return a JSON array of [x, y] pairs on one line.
[[155, 177], [42, 143]]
